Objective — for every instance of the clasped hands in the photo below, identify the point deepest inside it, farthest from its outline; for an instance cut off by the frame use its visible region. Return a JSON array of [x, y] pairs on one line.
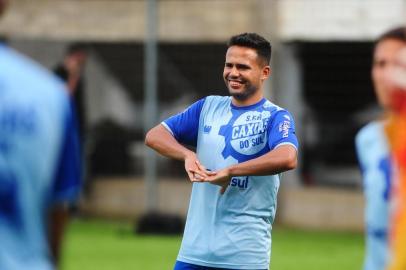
[[198, 173]]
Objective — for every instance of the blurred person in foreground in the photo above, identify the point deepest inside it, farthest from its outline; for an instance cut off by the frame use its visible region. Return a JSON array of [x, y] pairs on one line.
[[39, 163], [70, 70], [374, 155], [243, 142], [396, 131]]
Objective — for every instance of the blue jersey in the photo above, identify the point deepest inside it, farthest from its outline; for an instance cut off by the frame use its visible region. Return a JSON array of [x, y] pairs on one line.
[[231, 230], [375, 164], [39, 159]]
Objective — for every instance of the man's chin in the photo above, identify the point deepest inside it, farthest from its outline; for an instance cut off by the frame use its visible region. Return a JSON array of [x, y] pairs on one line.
[[235, 91], [238, 95], [241, 94]]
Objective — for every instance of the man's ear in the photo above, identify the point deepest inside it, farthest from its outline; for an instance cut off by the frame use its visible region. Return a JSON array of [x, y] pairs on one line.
[[266, 72]]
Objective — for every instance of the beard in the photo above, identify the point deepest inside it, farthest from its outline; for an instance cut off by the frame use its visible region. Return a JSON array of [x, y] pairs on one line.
[[248, 91]]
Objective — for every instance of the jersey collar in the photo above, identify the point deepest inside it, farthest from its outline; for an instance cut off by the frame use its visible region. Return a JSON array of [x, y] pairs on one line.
[[259, 103]]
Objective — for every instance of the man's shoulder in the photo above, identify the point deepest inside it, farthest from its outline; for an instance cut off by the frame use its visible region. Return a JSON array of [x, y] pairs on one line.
[[25, 80], [269, 105], [217, 98], [370, 131], [277, 111], [216, 101], [21, 69], [371, 142]]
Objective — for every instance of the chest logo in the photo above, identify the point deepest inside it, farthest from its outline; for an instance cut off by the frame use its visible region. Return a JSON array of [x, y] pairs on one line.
[[245, 134]]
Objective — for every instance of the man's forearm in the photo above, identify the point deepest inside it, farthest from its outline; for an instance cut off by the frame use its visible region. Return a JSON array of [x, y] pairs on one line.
[[281, 159], [162, 141]]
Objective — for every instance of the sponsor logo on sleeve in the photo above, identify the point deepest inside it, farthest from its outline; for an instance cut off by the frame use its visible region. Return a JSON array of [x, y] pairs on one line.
[[284, 127]]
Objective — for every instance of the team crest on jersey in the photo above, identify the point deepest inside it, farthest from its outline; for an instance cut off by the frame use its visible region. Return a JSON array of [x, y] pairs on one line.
[[245, 134], [206, 129]]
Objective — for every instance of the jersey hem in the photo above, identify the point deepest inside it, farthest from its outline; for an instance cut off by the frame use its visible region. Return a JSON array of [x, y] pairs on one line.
[[223, 265], [70, 196], [286, 143]]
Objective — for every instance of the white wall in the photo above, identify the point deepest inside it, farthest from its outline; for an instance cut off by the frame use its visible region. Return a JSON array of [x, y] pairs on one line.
[[203, 20], [338, 19]]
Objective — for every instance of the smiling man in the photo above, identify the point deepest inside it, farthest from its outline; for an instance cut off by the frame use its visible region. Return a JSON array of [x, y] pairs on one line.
[[243, 142]]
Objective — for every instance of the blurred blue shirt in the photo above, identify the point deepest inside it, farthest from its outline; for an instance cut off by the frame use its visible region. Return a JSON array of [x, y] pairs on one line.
[[374, 160], [231, 230], [39, 159]]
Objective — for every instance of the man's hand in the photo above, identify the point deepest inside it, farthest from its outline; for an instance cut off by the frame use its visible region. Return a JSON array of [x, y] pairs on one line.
[[195, 170], [221, 178]]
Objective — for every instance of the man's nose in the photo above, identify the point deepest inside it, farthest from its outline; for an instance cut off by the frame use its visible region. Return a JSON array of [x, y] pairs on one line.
[[234, 72]]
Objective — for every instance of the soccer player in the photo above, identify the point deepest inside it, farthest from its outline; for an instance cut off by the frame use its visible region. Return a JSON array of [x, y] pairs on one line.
[[39, 163], [243, 142], [374, 156]]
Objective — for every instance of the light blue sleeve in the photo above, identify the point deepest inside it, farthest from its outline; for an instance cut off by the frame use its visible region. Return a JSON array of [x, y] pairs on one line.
[[185, 125], [377, 152], [358, 150], [282, 130], [68, 177]]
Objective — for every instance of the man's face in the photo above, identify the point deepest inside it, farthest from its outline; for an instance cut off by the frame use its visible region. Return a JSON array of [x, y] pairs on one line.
[[244, 72], [384, 59], [81, 57], [397, 75]]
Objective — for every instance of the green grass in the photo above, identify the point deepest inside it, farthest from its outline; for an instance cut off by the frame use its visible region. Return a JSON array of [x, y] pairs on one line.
[[296, 249], [106, 246], [102, 245]]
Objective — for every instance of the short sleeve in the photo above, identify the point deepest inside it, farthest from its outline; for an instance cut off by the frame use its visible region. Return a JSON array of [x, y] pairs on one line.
[[359, 152], [282, 130], [361, 146], [185, 125], [68, 177]]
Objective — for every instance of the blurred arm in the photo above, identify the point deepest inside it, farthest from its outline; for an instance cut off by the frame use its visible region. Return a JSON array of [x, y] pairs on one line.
[[57, 219]]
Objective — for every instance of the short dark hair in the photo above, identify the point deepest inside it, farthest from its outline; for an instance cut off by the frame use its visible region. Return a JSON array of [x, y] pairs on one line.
[[254, 41], [398, 33], [76, 47]]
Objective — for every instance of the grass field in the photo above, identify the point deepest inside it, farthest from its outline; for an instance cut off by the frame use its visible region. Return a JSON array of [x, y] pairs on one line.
[[102, 245]]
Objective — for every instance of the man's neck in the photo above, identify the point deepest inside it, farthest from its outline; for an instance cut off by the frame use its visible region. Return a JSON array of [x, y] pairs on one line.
[[247, 102]]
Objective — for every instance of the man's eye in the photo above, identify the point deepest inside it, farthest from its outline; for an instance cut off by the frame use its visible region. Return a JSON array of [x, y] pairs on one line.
[[242, 67]]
